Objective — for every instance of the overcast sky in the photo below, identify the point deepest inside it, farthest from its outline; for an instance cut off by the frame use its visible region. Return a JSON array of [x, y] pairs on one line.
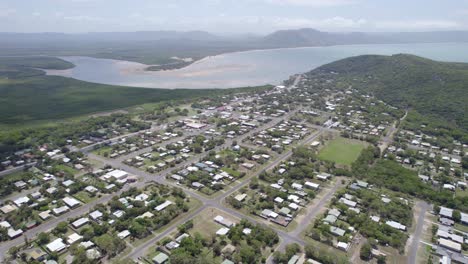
[[231, 16]]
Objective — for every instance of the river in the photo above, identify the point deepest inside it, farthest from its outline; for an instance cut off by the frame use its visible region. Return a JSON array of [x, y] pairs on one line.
[[248, 68]]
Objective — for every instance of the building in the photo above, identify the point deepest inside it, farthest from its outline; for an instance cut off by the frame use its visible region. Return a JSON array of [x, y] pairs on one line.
[[445, 212], [396, 225], [162, 206], [124, 234], [80, 222], [73, 238], [240, 197], [343, 246], [294, 259], [116, 174], [311, 185], [95, 215], [60, 210], [160, 258], [37, 255], [71, 202], [12, 233], [222, 231], [450, 244], [337, 231], [225, 222], [56, 246]]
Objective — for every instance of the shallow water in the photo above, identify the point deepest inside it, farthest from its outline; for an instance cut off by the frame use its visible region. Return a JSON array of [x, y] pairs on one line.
[[245, 68]]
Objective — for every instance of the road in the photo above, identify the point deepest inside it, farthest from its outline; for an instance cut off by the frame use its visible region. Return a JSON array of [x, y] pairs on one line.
[[388, 139], [216, 202], [51, 223], [416, 237], [146, 178]]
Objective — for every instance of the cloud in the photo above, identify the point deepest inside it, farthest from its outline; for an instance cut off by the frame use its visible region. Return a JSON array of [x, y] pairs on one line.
[[83, 18], [336, 22], [417, 25], [7, 12], [313, 3]]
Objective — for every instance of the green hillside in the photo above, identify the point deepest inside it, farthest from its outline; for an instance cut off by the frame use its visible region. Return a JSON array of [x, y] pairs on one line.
[[435, 91]]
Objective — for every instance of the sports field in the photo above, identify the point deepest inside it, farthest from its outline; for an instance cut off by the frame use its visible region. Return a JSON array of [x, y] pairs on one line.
[[342, 151]]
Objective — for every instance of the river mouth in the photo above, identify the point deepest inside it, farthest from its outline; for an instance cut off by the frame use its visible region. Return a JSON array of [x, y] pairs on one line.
[[241, 69]]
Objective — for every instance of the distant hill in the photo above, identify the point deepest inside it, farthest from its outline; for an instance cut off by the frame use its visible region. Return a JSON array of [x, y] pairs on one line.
[[157, 47], [434, 89], [136, 36], [310, 37]]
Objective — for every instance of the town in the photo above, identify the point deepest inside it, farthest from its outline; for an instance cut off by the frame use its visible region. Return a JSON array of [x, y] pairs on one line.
[[278, 176]]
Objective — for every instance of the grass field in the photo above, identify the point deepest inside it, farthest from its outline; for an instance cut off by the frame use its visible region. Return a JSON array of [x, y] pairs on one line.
[[204, 222], [342, 151]]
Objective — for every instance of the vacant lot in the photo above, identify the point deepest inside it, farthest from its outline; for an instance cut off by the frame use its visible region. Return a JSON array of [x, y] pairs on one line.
[[342, 151]]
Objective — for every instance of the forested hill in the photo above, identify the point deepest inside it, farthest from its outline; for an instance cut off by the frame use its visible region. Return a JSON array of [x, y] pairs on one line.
[[436, 90]]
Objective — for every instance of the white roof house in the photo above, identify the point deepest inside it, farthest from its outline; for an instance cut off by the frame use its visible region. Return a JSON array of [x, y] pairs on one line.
[[73, 238], [20, 201], [5, 224], [60, 210], [12, 233], [240, 197], [343, 246], [296, 186], [222, 231], [450, 244], [225, 222], [446, 212], [95, 215], [348, 202], [71, 202], [117, 174], [396, 225], [56, 246], [80, 222], [312, 185], [123, 234], [279, 200], [162, 206]]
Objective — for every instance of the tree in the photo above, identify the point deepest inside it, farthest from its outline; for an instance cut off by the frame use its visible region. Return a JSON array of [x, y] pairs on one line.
[[381, 260], [247, 254], [456, 215], [366, 251], [43, 238], [61, 228]]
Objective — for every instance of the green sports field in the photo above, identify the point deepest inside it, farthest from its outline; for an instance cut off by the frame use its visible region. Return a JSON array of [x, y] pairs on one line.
[[342, 151]]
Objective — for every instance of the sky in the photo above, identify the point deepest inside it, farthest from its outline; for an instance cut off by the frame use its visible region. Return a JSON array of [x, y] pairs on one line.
[[231, 16]]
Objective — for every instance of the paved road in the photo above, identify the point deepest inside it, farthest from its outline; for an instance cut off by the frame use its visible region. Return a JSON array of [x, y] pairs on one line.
[[388, 139], [17, 195], [160, 177], [16, 169], [416, 237], [313, 212], [51, 223], [216, 202]]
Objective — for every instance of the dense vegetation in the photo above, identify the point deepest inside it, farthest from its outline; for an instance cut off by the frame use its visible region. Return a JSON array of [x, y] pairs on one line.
[[36, 62], [436, 90], [390, 174]]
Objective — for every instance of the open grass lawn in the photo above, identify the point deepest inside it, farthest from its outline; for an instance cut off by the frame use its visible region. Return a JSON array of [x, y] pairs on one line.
[[204, 222], [461, 193], [84, 197], [67, 169], [342, 151], [461, 227]]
